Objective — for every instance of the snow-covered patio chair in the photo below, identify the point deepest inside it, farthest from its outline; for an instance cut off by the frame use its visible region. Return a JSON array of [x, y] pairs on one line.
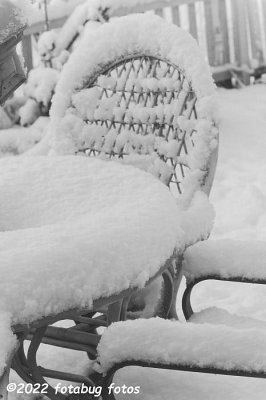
[[80, 236]]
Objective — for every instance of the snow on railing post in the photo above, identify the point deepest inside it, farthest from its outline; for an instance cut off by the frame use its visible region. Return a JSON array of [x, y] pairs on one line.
[[223, 19], [209, 31], [192, 20], [159, 11], [176, 15], [217, 32], [27, 51], [255, 33], [241, 39], [263, 18]]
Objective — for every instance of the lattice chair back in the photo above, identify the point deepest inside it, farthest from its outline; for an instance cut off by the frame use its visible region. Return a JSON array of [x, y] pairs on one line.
[[138, 90]]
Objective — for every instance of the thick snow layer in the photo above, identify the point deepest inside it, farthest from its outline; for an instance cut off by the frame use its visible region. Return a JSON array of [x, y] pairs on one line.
[[133, 34], [71, 222], [226, 258], [171, 342]]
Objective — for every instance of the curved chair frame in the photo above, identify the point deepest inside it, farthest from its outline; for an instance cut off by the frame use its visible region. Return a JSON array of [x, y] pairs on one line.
[[107, 380], [186, 299]]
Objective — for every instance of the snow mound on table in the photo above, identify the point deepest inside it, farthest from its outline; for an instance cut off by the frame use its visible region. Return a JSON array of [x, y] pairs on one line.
[[226, 258], [171, 342], [133, 34], [69, 223]]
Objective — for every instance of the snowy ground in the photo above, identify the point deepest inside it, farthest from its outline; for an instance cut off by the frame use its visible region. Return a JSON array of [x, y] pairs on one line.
[[239, 197]]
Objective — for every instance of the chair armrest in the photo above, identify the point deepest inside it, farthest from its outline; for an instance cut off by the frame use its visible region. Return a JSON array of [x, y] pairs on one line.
[[164, 344], [229, 260], [225, 260]]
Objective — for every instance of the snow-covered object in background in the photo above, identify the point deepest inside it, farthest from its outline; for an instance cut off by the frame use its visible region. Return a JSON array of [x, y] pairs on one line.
[[12, 106], [158, 340], [73, 26], [226, 258], [29, 112], [17, 140], [46, 43], [25, 9], [52, 44], [41, 84], [38, 90], [12, 18]]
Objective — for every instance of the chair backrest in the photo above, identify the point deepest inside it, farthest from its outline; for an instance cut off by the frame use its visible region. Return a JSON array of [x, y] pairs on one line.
[[140, 106]]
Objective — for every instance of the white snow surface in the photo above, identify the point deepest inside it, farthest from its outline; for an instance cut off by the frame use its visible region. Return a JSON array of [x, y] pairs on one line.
[[139, 33], [171, 342], [226, 258], [71, 222]]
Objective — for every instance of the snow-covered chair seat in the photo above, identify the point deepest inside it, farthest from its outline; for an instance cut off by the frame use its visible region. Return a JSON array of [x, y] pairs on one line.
[[224, 260], [164, 344]]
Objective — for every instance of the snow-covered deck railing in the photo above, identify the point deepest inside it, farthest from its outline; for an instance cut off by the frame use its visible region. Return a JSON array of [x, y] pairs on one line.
[[206, 348], [231, 33]]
